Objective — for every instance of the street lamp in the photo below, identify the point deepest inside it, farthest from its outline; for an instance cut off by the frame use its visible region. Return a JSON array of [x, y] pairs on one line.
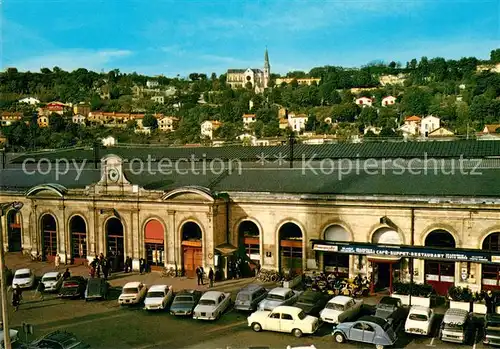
[[16, 205]]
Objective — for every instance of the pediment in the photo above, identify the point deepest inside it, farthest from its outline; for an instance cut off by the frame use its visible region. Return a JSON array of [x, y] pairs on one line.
[[198, 194], [188, 197], [51, 189]]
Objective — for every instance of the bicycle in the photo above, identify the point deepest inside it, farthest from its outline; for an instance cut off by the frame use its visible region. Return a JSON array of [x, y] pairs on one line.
[[36, 257], [168, 272]]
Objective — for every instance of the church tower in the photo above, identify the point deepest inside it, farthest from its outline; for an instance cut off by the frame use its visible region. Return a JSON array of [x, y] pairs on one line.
[[267, 69]]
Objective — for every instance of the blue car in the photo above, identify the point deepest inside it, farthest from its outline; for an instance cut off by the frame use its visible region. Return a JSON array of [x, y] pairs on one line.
[[368, 329]]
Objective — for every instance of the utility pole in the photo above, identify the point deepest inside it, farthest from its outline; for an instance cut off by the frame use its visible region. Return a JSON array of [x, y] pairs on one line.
[[5, 310], [291, 140]]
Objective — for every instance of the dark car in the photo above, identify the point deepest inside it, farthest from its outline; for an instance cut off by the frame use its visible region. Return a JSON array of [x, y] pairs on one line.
[[59, 340], [312, 302], [97, 288], [184, 302], [249, 297], [74, 287], [492, 330], [390, 309]]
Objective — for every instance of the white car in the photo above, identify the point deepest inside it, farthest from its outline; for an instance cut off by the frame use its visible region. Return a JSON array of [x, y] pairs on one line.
[[340, 308], [158, 297], [14, 336], [279, 296], [133, 293], [52, 281], [284, 319], [419, 320], [211, 305], [23, 278]]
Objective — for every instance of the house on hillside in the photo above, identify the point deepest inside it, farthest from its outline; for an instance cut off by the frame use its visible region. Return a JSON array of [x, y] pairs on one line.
[[441, 132], [297, 122], [364, 102], [389, 100], [109, 141], [411, 126], [248, 119], [167, 123], [492, 129], [9, 118], [82, 108], [247, 139], [429, 124], [300, 81], [373, 129], [158, 99], [29, 100], [208, 127], [78, 119]]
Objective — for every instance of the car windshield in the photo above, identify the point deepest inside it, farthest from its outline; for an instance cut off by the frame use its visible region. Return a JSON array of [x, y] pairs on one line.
[[130, 290], [157, 294], [275, 297], [49, 278], [335, 306], [456, 327], [207, 302], [389, 301], [183, 299], [418, 317], [22, 276], [243, 297], [301, 315]]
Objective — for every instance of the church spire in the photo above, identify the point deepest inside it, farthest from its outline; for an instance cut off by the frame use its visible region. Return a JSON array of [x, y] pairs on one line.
[[266, 60]]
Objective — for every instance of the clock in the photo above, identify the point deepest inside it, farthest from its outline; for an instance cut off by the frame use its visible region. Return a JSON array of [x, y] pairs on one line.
[[113, 175]]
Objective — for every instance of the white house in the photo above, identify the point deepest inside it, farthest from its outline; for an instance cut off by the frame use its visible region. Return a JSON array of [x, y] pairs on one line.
[[29, 100], [248, 119], [364, 102], [208, 127], [411, 126], [247, 139], [429, 124], [109, 141], [152, 84], [375, 130], [144, 130], [297, 122], [389, 100], [167, 123], [158, 99], [78, 119]]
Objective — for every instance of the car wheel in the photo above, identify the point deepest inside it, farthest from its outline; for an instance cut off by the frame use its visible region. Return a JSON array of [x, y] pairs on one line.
[[339, 337], [256, 327], [297, 333], [379, 346]]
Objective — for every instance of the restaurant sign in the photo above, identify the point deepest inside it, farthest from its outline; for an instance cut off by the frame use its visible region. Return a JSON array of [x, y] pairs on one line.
[[420, 252]]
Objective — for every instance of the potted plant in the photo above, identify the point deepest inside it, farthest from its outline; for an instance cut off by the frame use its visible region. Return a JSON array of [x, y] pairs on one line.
[[460, 297], [401, 291], [479, 303]]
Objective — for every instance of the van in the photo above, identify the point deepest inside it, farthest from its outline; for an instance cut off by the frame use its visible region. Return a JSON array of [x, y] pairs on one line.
[[492, 329], [249, 297], [455, 326]]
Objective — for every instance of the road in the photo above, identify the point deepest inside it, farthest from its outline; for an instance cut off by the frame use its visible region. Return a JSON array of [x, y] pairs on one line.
[[104, 324]]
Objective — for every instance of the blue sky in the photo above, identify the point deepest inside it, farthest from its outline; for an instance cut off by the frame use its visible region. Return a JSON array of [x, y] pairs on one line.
[[179, 37]]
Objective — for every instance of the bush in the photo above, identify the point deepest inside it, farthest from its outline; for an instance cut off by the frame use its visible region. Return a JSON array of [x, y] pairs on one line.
[[417, 290]]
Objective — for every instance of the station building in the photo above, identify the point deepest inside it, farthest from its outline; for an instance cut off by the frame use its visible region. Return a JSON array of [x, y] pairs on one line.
[[440, 196]]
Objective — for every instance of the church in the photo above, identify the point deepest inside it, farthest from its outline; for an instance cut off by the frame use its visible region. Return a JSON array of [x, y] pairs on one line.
[[257, 78]]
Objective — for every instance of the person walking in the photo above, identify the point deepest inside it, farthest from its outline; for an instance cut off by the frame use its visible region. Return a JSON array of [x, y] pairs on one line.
[[211, 277], [66, 274], [57, 261], [105, 268], [16, 297], [199, 275]]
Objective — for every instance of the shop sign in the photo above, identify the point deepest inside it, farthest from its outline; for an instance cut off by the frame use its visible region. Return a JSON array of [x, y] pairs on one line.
[[409, 251]]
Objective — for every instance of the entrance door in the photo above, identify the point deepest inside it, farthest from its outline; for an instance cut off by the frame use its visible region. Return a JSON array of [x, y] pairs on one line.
[[192, 257], [154, 254], [49, 245], [441, 275], [384, 276], [79, 247]]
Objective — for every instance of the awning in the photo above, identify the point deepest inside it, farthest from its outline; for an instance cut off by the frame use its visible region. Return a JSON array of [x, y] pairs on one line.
[[383, 259], [226, 249]]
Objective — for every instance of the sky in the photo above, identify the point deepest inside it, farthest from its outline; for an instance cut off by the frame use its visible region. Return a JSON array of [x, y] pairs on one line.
[[173, 37]]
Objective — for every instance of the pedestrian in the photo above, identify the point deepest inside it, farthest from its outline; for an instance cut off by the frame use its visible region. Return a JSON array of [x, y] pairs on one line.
[[199, 276], [98, 268], [57, 261], [202, 274], [129, 265], [141, 265], [66, 274], [40, 289], [211, 277], [16, 297], [105, 269]]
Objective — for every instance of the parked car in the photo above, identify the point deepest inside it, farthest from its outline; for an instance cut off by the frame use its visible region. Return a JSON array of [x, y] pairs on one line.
[[23, 278], [312, 302], [284, 319], [184, 302], [132, 293], [279, 296], [455, 326], [249, 297], [52, 281], [158, 297], [341, 308], [97, 288], [419, 320], [211, 305], [492, 329], [73, 287], [60, 340], [14, 336], [368, 329], [390, 309]]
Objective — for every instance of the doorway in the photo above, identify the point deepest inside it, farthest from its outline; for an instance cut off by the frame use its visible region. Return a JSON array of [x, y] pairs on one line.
[[383, 276]]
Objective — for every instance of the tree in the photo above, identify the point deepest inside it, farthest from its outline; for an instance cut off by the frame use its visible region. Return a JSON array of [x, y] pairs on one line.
[[150, 121], [57, 123], [415, 101], [311, 123], [368, 116], [131, 124], [495, 56]]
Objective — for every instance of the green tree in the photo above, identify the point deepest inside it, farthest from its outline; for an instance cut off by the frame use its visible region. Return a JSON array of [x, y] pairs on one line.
[[150, 121], [495, 56]]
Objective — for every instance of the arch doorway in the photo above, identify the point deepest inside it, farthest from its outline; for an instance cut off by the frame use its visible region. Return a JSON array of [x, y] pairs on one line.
[[490, 275], [192, 249], [249, 246], [49, 237], [154, 243], [290, 247], [332, 261], [441, 275], [385, 269], [78, 233], [14, 231], [115, 243]]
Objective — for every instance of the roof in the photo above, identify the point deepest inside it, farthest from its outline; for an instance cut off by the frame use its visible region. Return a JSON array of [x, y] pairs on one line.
[[287, 309], [236, 71], [251, 288], [132, 284], [248, 115], [187, 292], [492, 128], [413, 118], [158, 288], [51, 274], [213, 295], [376, 320], [279, 291], [23, 271], [419, 309], [340, 300], [452, 314]]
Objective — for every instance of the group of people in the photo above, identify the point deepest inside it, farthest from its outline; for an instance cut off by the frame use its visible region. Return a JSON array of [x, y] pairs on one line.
[[100, 264], [200, 274]]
